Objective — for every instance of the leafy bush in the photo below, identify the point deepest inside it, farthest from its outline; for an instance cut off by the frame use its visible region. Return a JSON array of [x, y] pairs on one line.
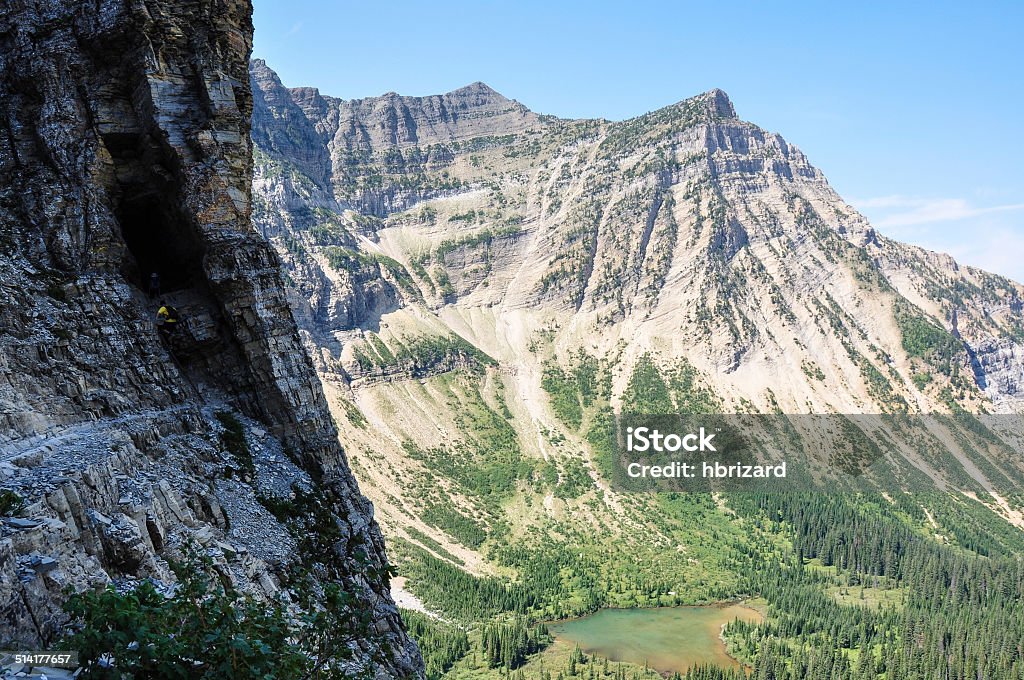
[[307, 514], [204, 630], [233, 440], [10, 503]]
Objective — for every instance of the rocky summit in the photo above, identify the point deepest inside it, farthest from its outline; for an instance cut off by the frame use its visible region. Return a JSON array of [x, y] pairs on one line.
[[125, 153]]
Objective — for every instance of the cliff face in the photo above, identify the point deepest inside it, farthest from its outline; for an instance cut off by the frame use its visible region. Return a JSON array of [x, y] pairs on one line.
[[336, 143], [125, 150]]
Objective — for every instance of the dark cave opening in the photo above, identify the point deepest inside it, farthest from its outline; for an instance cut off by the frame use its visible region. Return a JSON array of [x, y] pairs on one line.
[[159, 241]]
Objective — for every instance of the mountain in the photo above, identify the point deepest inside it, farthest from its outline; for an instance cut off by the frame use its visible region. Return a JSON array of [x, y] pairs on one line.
[[125, 151], [484, 289], [602, 222]]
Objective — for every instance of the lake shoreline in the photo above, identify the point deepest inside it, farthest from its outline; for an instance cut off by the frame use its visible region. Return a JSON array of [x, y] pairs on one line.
[[667, 639], [723, 604]]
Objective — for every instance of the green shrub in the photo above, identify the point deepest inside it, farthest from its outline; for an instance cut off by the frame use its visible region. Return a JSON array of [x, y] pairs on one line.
[[10, 503], [234, 442], [563, 393], [425, 352], [924, 340], [455, 524], [483, 238], [309, 518], [346, 259], [646, 391], [575, 389], [921, 380], [352, 412], [460, 595], [204, 630], [575, 480]]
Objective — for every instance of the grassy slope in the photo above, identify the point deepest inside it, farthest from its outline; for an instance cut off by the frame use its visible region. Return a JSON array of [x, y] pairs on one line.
[[523, 499]]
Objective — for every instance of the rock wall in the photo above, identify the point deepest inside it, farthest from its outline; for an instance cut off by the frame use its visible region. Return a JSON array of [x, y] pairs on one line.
[[125, 150], [999, 367], [339, 145]]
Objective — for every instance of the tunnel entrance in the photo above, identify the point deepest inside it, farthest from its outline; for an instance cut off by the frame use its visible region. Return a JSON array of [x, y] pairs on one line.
[[159, 240]]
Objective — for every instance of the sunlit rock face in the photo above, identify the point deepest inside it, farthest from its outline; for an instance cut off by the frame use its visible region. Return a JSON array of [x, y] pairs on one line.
[[686, 231]]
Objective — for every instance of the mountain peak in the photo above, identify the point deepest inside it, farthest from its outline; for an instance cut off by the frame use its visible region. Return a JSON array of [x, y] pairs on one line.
[[718, 103], [389, 120], [478, 90], [259, 69]]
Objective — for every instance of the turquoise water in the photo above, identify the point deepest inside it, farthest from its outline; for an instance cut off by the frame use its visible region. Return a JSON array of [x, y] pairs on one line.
[[667, 639]]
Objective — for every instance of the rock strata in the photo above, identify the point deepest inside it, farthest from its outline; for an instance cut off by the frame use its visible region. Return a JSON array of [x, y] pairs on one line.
[[125, 150], [680, 222]]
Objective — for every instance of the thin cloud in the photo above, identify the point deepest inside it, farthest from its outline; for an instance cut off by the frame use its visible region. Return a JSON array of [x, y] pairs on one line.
[[992, 240], [993, 249], [904, 211], [296, 27]]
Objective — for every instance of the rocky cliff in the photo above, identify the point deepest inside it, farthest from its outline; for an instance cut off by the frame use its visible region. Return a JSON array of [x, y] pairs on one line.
[[125, 151]]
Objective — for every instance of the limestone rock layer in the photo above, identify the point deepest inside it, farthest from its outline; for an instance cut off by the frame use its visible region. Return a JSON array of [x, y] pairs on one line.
[[125, 151]]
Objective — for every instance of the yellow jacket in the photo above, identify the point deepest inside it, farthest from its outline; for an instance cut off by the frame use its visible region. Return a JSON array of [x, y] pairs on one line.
[[164, 315]]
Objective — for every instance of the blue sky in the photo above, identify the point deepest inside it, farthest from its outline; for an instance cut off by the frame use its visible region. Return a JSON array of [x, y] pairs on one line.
[[912, 110]]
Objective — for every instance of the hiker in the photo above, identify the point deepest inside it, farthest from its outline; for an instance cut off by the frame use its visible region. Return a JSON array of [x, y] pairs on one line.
[[154, 285], [167, 319]]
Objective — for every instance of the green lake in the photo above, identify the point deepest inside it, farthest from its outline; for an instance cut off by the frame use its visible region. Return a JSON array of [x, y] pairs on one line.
[[668, 639]]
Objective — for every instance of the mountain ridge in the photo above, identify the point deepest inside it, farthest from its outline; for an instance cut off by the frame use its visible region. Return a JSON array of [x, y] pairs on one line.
[[683, 235], [261, 69], [765, 172]]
